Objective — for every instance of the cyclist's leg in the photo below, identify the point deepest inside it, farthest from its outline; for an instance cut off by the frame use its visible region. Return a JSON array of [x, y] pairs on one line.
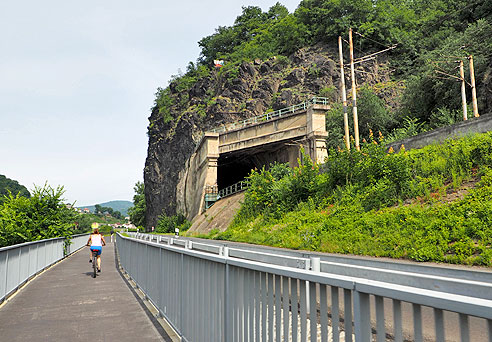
[[99, 263], [99, 251]]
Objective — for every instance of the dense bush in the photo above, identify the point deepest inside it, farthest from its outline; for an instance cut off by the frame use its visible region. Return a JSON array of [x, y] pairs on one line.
[[42, 216], [168, 224]]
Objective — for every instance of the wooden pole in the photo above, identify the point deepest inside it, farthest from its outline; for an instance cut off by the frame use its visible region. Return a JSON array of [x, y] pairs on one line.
[[344, 96], [463, 91], [354, 92], [474, 90]]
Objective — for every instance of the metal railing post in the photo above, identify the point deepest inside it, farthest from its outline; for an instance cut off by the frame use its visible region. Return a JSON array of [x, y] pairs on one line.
[[362, 318], [227, 300]]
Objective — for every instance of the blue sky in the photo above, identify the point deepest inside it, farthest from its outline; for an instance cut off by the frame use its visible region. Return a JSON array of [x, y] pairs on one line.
[[77, 81]]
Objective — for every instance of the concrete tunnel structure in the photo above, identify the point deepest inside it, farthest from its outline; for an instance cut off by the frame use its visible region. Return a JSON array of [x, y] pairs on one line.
[[224, 158]]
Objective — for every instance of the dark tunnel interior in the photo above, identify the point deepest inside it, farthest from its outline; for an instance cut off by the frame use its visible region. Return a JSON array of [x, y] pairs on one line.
[[236, 166], [233, 169]]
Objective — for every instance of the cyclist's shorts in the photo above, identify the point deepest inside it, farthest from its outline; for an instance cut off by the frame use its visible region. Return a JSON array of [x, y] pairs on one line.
[[98, 249]]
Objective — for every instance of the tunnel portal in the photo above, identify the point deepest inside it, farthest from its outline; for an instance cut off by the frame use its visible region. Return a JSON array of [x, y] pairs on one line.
[[225, 157]]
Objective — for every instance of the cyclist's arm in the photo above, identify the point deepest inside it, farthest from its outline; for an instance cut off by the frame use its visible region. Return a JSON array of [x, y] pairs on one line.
[[103, 241], [89, 241]]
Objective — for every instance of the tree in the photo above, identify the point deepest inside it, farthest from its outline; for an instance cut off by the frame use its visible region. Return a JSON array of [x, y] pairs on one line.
[[9, 185], [137, 212], [251, 35], [117, 214], [168, 224], [42, 216], [98, 209]]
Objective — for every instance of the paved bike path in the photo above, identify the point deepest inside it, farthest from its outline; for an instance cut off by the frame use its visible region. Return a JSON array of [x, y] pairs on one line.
[[66, 304]]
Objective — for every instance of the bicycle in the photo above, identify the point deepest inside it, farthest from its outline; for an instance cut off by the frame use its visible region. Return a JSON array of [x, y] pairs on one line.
[[95, 242]]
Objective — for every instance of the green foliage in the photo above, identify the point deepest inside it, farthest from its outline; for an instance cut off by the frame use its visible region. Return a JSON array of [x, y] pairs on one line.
[[255, 34], [42, 216], [106, 230], [290, 35], [8, 185], [376, 203], [335, 127], [230, 71], [100, 210], [168, 224], [410, 127], [444, 117], [279, 189], [329, 92], [84, 222], [137, 212], [372, 116], [428, 97], [164, 102], [372, 112]]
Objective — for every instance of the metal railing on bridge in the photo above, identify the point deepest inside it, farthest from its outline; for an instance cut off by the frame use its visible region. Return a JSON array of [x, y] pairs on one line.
[[215, 293], [212, 194], [272, 115], [19, 263]]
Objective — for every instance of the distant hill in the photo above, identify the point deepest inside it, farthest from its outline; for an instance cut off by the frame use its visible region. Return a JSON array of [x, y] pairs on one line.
[[7, 184], [121, 206]]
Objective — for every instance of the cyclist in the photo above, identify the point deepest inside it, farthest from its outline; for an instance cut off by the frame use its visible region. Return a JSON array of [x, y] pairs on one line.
[[96, 241]]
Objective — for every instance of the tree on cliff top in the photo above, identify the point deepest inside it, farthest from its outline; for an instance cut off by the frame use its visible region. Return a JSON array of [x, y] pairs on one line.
[[239, 38]]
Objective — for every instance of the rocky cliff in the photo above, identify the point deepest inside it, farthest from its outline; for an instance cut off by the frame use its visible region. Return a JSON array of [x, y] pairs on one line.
[[188, 107]]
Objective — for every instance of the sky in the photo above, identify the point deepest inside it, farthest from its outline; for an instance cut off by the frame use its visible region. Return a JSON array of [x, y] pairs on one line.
[[78, 79]]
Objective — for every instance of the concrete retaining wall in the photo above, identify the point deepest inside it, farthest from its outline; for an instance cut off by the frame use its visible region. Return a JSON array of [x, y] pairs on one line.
[[481, 124]]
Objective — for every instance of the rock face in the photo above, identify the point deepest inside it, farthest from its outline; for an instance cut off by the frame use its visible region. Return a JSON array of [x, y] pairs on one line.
[[226, 96]]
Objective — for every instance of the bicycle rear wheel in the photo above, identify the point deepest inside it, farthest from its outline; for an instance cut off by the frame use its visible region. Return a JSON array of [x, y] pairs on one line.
[[94, 266]]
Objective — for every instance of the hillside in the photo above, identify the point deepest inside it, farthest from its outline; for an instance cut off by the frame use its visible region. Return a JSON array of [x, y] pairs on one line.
[[7, 184], [429, 204], [121, 206], [274, 59]]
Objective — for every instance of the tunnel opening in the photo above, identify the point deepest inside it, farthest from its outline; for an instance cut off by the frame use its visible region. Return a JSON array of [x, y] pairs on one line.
[[235, 166]]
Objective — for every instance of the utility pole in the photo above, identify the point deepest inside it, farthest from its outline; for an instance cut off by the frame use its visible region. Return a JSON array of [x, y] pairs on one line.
[[474, 91], [344, 96], [354, 92], [463, 91]]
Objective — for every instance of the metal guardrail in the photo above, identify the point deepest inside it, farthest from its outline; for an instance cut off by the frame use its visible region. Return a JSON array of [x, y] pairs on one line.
[[233, 189], [272, 115], [212, 195], [19, 263], [215, 293], [77, 242]]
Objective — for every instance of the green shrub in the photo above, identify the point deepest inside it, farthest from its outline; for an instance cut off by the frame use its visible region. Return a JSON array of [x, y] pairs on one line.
[[168, 224], [42, 216]]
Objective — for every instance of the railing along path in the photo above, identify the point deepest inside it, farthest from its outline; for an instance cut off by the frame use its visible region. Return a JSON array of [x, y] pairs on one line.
[[19, 263], [272, 115], [210, 292]]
